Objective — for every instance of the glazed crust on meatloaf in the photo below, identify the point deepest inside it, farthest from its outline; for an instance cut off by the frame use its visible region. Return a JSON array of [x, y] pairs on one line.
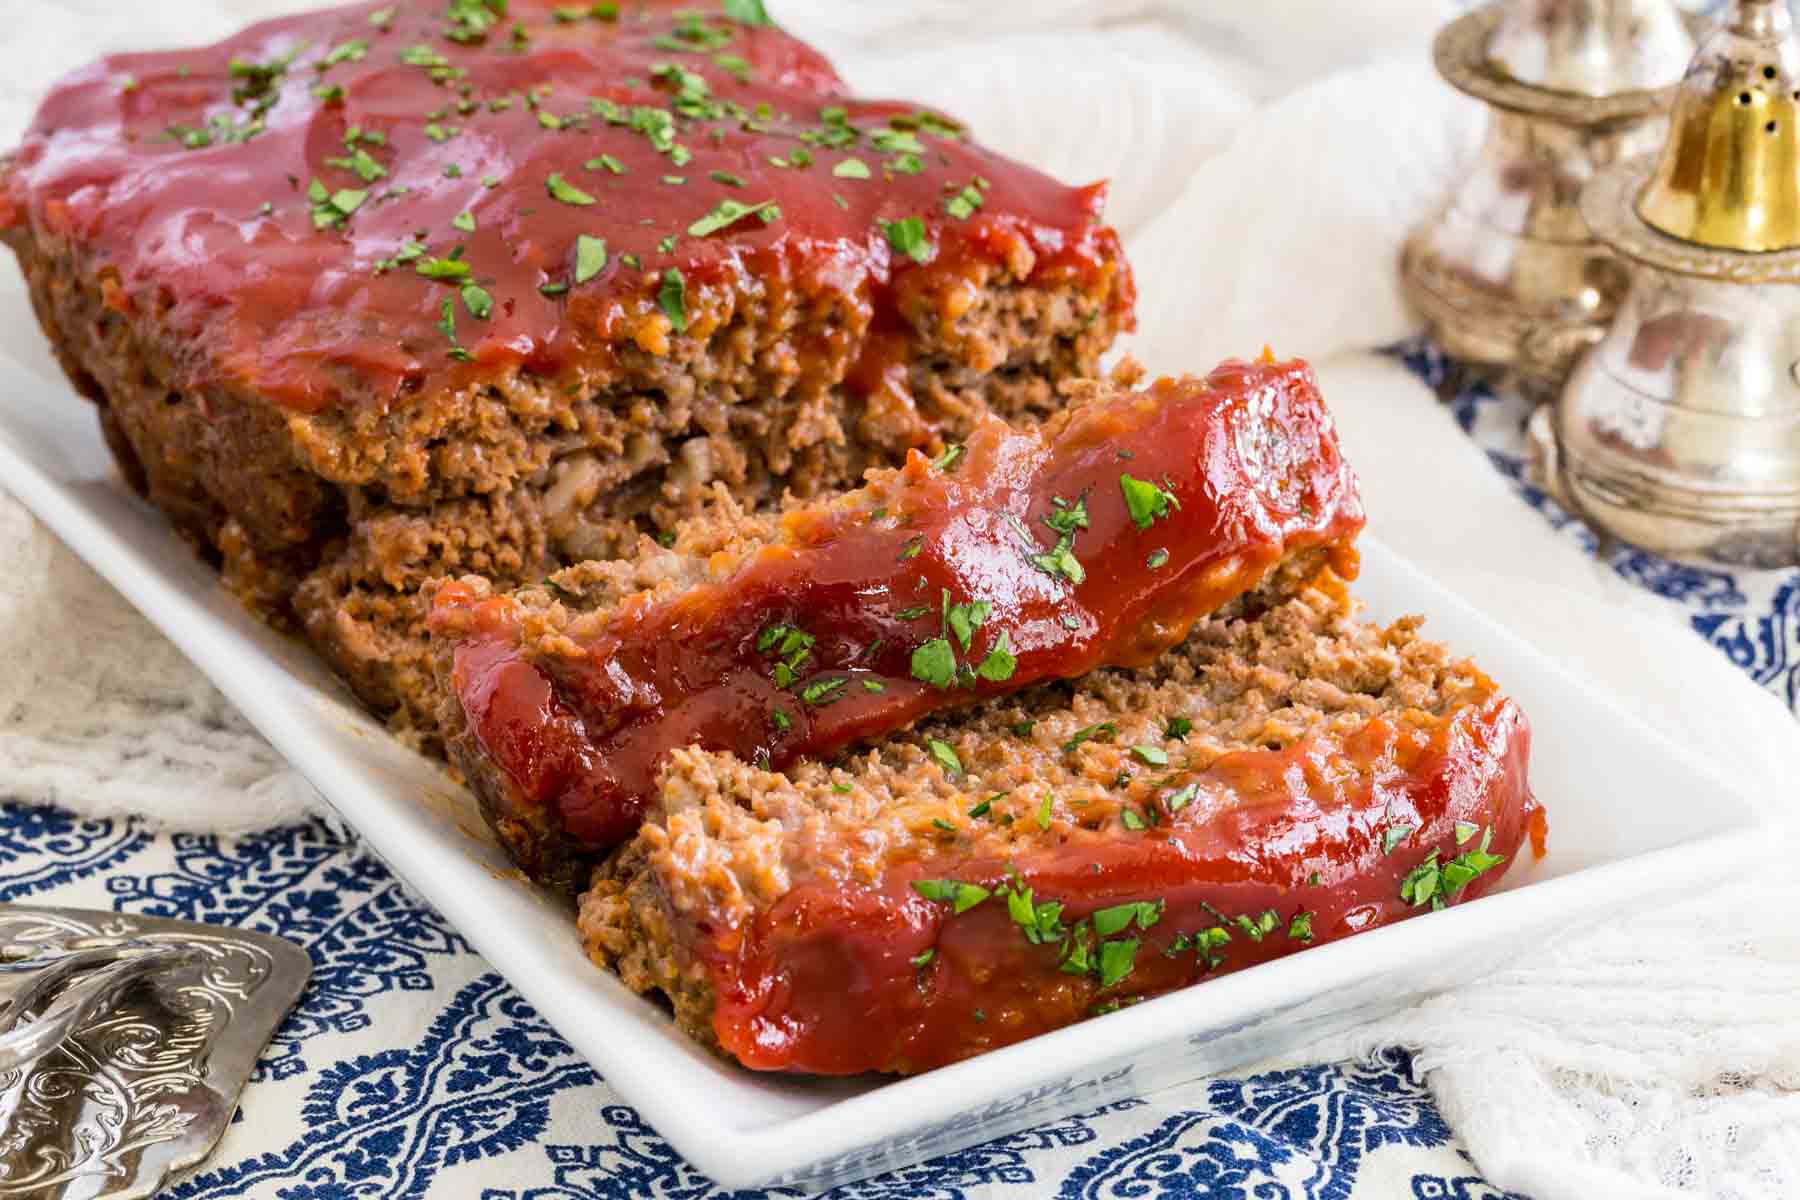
[[1019, 556], [337, 286], [1269, 785]]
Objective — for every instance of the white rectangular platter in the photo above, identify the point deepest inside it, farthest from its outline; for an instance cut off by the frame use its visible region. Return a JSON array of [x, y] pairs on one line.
[[1632, 821]]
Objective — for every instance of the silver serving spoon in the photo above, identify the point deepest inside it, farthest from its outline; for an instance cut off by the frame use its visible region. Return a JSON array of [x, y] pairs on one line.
[[82, 981]]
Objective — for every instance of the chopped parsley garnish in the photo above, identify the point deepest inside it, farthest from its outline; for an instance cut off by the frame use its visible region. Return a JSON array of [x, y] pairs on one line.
[[982, 809], [906, 164], [671, 297], [748, 12], [945, 754], [1023, 728], [924, 957], [1067, 518], [1461, 870], [961, 896], [1156, 559], [912, 547], [1393, 835], [823, 691], [1108, 921], [1466, 830], [964, 203], [1040, 922], [735, 65], [1000, 662], [730, 212], [381, 18], [1421, 883], [935, 663], [781, 720], [912, 614], [949, 458], [1146, 501], [1260, 926], [1129, 817], [852, 168], [667, 245], [1116, 960], [1178, 727], [590, 257], [940, 823], [965, 619], [897, 141], [566, 192], [451, 268], [331, 209], [1153, 755], [605, 162], [1091, 733], [464, 221], [354, 50], [1180, 798], [1043, 812], [1300, 928], [1205, 943], [367, 167], [1061, 561], [477, 301], [907, 236], [470, 20], [726, 178], [874, 685]]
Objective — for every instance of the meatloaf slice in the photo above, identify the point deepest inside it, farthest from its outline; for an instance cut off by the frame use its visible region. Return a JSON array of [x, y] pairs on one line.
[[1017, 557], [389, 291], [1269, 785]]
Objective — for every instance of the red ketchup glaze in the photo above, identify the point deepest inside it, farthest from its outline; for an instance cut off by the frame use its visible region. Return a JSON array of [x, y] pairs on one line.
[[1249, 455], [216, 231], [825, 982]]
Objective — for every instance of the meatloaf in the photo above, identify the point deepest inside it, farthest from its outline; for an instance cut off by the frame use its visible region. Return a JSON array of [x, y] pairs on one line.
[[396, 290], [991, 874], [1015, 558]]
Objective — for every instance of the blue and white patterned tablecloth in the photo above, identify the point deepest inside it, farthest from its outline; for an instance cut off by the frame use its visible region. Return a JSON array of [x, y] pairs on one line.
[[410, 1068]]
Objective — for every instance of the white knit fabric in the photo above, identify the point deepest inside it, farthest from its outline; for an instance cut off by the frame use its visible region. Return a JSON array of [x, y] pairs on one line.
[[1267, 159]]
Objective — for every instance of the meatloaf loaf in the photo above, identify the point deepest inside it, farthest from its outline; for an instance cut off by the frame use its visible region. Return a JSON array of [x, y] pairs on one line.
[[991, 874], [396, 290], [1015, 558]]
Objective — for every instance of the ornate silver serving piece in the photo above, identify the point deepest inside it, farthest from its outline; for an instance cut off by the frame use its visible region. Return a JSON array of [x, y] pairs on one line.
[[1506, 274], [1680, 431], [124, 1043]]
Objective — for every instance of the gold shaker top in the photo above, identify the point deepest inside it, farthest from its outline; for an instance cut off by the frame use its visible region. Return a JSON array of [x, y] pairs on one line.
[[1729, 176]]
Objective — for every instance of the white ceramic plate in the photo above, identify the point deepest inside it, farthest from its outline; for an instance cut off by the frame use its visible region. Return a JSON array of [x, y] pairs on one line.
[[1632, 820]]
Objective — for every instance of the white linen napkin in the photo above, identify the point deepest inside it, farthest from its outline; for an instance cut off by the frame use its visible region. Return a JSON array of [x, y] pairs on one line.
[[1267, 159]]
